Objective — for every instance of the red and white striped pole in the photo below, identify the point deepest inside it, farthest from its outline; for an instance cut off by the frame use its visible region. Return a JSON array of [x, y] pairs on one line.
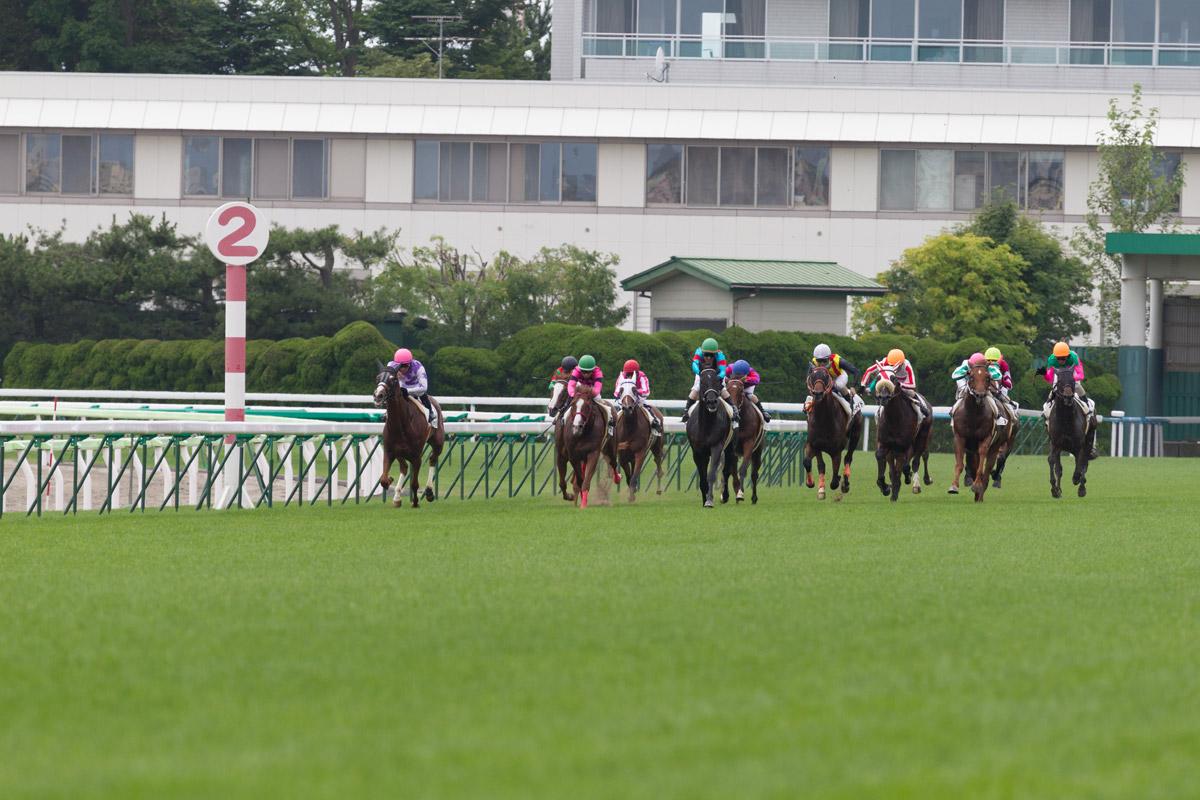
[[236, 234]]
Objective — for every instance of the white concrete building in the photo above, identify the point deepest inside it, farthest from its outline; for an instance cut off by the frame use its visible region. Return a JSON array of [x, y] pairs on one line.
[[819, 130]]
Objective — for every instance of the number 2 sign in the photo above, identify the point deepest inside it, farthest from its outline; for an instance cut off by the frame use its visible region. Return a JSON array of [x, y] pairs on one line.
[[236, 233]]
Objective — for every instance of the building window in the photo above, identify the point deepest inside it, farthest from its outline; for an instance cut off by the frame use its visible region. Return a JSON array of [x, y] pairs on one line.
[[812, 177], [10, 162], [664, 174], [940, 180], [268, 169], [83, 164], [497, 172], [1165, 165]]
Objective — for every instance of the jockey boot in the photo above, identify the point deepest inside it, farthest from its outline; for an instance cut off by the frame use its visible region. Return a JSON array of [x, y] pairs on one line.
[[687, 409], [762, 410], [432, 417]]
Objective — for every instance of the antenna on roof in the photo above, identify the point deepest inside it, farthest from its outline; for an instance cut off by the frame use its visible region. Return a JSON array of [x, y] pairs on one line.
[[662, 68]]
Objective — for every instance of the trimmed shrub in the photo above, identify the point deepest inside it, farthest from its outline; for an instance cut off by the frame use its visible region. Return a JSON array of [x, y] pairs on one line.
[[469, 371]]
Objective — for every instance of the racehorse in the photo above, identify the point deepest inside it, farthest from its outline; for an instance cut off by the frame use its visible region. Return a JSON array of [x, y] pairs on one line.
[[584, 440], [635, 439], [406, 431], [831, 429], [709, 432], [1069, 430], [747, 445], [896, 437], [973, 420], [1014, 424]]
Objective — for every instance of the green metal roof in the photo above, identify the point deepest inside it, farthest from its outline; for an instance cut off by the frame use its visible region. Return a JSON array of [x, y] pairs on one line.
[[1153, 244], [738, 273]]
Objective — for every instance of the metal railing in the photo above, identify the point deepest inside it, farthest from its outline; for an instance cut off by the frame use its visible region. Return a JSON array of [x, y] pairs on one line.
[[931, 51]]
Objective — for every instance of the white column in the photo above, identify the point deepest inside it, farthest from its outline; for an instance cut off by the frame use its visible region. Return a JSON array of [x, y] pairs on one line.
[[1154, 337], [1133, 302]]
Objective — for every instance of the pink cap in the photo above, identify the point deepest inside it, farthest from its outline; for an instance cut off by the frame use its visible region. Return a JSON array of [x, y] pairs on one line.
[[976, 360], [403, 356]]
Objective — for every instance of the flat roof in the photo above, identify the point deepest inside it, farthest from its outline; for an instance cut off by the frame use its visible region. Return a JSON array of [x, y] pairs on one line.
[[769, 274]]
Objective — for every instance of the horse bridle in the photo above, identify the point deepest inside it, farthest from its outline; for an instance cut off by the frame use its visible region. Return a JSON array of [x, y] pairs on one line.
[[388, 381], [710, 404], [970, 381], [818, 374], [1061, 396]]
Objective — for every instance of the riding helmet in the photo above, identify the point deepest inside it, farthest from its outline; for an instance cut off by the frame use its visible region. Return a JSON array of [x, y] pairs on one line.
[[822, 352], [587, 363], [895, 356], [993, 354], [631, 366], [569, 363], [403, 356], [1062, 350], [709, 345], [741, 367], [976, 360]]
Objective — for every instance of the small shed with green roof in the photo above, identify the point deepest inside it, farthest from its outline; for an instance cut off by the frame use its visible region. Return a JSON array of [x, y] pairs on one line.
[[758, 295]]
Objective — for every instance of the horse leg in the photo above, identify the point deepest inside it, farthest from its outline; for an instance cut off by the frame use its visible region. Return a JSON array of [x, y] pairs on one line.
[[560, 460], [414, 466], [925, 466], [589, 469], [847, 460], [913, 460], [701, 461], [728, 471], [979, 486], [386, 480], [881, 461], [895, 462], [715, 461], [658, 467], [998, 472], [960, 452], [820, 475], [743, 466], [398, 492], [1081, 466], [634, 475], [756, 461], [431, 474], [808, 459], [836, 484], [1053, 461]]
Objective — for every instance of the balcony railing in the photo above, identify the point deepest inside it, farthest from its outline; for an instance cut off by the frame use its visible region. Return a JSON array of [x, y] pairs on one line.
[[939, 51]]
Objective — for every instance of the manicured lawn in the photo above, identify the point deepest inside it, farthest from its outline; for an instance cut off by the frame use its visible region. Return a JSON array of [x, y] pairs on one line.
[[1025, 647]]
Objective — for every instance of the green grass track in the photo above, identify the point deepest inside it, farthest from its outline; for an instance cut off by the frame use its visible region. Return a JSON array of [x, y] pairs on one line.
[[933, 648]]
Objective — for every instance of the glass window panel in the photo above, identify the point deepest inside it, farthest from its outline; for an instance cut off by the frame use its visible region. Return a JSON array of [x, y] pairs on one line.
[[271, 168], [523, 173], [115, 166], [705, 19], [664, 174], [940, 19], [935, 176], [811, 188], [897, 180], [489, 173], [1004, 171], [970, 186], [745, 18], [737, 176], [10, 162], [550, 164], [1133, 20], [1165, 166], [78, 165], [849, 18], [610, 16], [579, 172], [425, 170], [1090, 20], [701, 176], [656, 16], [773, 176], [308, 169], [235, 167], [455, 173], [983, 20], [43, 162], [1179, 21], [892, 19], [1045, 187], [201, 160]]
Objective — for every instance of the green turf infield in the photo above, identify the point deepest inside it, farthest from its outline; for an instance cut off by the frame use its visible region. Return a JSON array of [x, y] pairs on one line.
[[1022, 648]]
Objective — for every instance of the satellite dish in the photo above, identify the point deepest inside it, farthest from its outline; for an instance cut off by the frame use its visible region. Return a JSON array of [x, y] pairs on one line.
[[660, 61]]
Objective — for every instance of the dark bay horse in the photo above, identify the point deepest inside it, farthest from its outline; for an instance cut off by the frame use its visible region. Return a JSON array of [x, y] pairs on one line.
[[585, 440], [1069, 431], [709, 432], [747, 444], [405, 434], [896, 437], [831, 429], [635, 440], [973, 421]]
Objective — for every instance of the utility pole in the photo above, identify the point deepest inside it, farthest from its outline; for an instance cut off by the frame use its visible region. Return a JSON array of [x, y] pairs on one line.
[[441, 20]]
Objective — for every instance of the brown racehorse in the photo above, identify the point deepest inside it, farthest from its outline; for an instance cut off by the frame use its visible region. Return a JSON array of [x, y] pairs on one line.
[[747, 445], [585, 440], [897, 436], [635, 440], [973, 420], [830, 430], [405, 435], [1070, 431]]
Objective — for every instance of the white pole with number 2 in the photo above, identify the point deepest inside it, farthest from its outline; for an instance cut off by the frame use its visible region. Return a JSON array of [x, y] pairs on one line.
[[236, 233]]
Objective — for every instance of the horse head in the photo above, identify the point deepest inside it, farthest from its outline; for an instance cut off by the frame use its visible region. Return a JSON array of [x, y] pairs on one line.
[[737, 390], [582, 407], [1064, 385], [385, 388], [885, 389], [710, 389], [627, 392], [818, 382], [979, 382]]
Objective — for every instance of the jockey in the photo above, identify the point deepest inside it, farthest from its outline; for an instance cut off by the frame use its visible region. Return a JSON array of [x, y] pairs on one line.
[[414, 382], [961, 374], [996, 359], [841, 370], [708, 356], [586, 372], [560, 377], [1064, 356], [632, 375], [906, 378], [750, 379]]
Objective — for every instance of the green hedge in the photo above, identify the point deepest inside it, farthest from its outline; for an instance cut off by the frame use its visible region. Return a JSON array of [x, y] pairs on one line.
[[347, 362]]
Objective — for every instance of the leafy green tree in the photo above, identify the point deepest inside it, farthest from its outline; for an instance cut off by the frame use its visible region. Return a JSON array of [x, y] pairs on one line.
[[516, 47], [1133, 192], [1059, 284], [951, 287], [378, 64]]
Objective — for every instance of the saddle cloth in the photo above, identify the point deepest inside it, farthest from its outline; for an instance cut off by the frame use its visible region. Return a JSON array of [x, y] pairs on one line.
[[437, 411]]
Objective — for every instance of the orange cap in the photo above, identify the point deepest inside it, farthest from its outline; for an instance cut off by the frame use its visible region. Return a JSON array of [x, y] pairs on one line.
[[895, 356], [1062, 350]]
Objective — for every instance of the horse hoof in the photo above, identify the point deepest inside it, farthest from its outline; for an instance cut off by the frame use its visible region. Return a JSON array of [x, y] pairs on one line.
[[995, 483], [952, 490], [846, 486], [820, 494], [1082, 490], [837, 497], [1055, 492], [1075, 480], [397, 504], [429, 495], [754, 500], [929, 481], [885, 491], [895, 497], [916, 488], [808, 483], [708, 503]]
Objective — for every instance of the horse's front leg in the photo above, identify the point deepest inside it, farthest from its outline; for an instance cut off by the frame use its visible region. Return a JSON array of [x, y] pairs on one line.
[[560, 463], [743, 467], [658, 465], [1055, 462], [1081, 468], [715, 459], [896, 462], [700, 459], [589, 469], [881, 462], [979, 485], [757, 456], [820, 474], [729, 466], [386, 481], [634, 476], [808, 459], [960, 455], [414, 473], [835, 460]]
